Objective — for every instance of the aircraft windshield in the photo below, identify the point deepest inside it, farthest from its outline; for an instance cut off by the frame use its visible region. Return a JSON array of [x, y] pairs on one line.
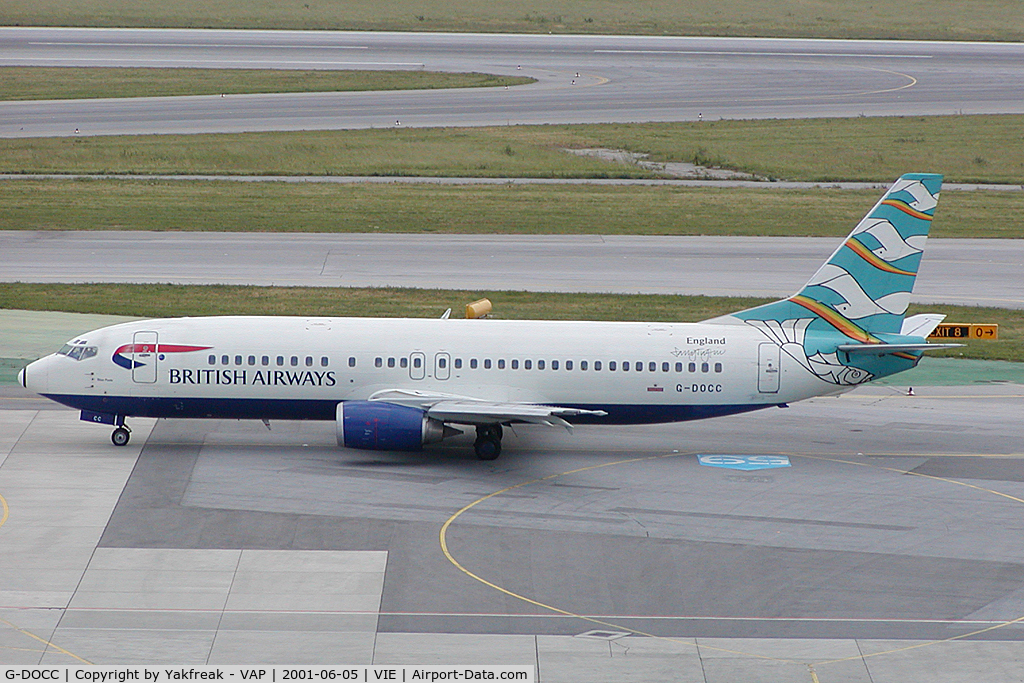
[[77, 351]]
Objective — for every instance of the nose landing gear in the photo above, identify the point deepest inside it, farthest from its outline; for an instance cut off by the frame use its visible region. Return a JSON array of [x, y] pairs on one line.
[[488, 442], [121, 436]]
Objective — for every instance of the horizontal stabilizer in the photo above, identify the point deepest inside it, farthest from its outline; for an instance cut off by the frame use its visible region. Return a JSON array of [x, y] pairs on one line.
[[881, 349], [921, 325]]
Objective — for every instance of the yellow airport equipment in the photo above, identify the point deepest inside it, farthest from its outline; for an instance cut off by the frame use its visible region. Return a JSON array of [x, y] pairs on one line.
[[478, 309]]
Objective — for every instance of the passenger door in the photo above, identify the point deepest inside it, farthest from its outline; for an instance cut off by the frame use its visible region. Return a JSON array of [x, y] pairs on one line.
[[144, 357], [768, 368]]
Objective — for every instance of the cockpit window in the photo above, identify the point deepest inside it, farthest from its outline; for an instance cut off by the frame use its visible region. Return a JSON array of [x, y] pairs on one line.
[[77, 351]]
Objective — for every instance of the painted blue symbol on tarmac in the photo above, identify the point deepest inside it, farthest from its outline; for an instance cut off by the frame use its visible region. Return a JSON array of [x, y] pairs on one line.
[[747, 463]]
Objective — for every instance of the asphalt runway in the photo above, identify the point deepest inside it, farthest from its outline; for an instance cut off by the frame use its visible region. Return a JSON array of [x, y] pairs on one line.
[[607, 554], [963, 271], [580, 79]]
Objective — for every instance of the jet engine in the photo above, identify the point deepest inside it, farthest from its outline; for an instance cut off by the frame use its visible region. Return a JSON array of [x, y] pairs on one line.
[[387, 426]]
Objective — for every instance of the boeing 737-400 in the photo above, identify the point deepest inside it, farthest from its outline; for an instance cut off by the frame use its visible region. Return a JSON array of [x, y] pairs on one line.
[[398, 384]]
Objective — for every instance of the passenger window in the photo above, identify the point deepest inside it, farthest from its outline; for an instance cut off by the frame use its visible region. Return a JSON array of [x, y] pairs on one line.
[[515, 364], [693, 367], [540, 365], [294, 361], [704, 367], [238, 360], [487, 363], [583, 365], [611, 366], [378, 362], [224, 360], [554, 365], [323, 361], [597, 366], [417, 362], [664, 367], [351, 361], [652, 366], [718, 367], [280, 361], [391, 362], [501, 363], [213, 360], [252, 360], [403, 362], [309, 361], [458, 363], [472, 363], [679, 367], [442, 362], [265, 360], [625, 366]]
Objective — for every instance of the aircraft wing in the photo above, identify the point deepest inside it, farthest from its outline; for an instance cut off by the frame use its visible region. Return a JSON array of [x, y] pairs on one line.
[[469, 410]]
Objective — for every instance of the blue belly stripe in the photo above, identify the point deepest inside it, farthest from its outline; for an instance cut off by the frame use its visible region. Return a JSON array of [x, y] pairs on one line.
[[324, 409]]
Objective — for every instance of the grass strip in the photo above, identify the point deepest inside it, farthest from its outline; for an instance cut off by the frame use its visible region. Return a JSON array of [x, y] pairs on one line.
[[897, 19], [475, 209], [193, 300], [968, 149], [54, 83]]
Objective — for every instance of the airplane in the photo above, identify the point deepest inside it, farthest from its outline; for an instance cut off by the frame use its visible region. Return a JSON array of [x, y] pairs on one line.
[[400, 384]]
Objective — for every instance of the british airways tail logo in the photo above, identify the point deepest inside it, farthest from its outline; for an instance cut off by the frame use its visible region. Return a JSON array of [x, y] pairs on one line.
[[123, 355]]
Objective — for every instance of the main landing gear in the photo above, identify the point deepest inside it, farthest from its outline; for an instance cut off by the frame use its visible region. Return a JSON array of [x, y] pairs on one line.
[[488, 441], [121, 436]]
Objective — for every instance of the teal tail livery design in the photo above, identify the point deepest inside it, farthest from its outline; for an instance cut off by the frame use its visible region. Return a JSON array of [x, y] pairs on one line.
[[846, 325]]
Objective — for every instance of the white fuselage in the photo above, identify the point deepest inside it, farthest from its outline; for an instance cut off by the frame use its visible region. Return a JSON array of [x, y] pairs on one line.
[[301, 368]]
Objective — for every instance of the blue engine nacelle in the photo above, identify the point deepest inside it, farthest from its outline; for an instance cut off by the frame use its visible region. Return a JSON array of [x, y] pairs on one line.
[[387, 426]]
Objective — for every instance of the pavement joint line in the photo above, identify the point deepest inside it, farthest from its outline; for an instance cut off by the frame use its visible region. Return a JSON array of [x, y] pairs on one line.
[[811, 620], [224, 606]]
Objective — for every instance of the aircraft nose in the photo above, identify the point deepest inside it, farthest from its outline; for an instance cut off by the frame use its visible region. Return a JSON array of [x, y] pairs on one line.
[[33, 376]]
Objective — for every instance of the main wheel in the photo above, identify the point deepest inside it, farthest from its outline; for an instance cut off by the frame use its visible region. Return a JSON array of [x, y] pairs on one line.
[[120, 437], [487, 448]]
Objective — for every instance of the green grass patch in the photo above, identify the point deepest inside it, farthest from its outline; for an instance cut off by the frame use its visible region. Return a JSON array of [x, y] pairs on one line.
[[983, 149], [906, 19], [55, 83], [180, 300], [110, 204]]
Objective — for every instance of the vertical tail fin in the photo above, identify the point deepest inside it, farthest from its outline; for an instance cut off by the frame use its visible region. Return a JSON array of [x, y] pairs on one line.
[[864, 287], [861, 292]]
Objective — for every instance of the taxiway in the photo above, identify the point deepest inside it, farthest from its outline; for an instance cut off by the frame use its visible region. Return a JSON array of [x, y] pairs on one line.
[[580, 79], [960, 271]]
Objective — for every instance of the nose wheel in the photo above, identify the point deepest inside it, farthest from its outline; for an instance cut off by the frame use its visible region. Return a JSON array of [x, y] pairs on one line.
[[121, 436], [488, 442]]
